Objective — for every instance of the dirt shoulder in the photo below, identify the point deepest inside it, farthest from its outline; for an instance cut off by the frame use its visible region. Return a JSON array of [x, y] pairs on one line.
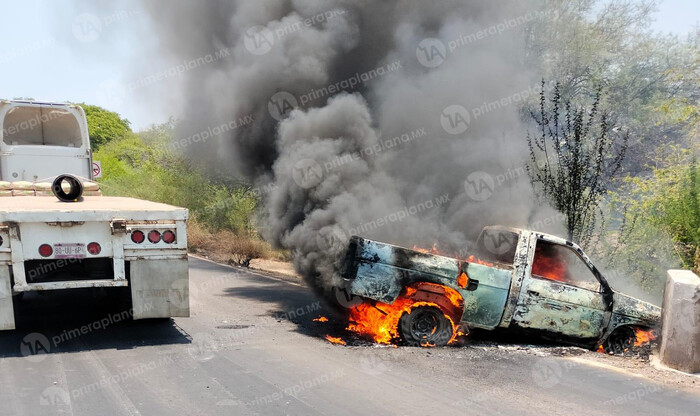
[[275, 267]]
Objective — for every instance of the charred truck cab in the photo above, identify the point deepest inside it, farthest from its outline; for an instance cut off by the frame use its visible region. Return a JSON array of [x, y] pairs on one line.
[[517, 279]]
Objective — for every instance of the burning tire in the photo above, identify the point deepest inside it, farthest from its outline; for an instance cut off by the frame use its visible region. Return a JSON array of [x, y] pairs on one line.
[[620, 341], [425, 326]]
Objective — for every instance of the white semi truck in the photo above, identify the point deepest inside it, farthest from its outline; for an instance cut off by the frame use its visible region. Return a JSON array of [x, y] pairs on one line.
[[94, 242]]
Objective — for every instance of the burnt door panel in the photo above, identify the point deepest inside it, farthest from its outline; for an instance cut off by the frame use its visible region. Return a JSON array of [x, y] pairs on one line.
[[561, 295]]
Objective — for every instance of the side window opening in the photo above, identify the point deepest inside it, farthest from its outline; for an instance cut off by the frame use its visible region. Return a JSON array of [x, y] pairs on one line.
[[25, 125], [562, 264], [497, 246]]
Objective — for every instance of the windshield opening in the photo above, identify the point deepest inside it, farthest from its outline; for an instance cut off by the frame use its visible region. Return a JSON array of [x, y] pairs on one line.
[[41, 126]]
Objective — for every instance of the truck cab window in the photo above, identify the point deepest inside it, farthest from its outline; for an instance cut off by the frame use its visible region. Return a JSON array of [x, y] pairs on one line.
[[497, 246], [41, 126], [562, 264]]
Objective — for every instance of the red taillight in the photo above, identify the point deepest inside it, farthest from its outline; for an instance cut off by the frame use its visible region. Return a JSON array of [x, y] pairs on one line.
[[154, 236], [169, 237], [138, 237], [94, 248], [45, 250]]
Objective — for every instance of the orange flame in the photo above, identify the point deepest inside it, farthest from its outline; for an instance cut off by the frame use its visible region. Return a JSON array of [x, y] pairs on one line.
[[643, 336], [321, 319], [473, 259], [551, 267], [335, 340], [380, 321], [463, 280], [433, 250]]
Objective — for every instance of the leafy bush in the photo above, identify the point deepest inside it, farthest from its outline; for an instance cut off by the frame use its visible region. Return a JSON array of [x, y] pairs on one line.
[[140, 166], [660, 226], [104, 125]]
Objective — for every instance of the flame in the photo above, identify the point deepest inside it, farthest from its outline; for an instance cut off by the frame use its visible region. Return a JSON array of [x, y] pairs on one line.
[[553, 268], [473, 259], [433, 250], [643, 336], [380, 321], [335, 340], [321, 319], [463, 280]]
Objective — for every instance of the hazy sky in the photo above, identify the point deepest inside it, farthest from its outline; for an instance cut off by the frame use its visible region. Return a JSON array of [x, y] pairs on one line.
[[53, 52]]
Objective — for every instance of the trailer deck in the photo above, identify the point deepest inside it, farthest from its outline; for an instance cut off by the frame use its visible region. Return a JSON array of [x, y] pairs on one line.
[[98, 208]]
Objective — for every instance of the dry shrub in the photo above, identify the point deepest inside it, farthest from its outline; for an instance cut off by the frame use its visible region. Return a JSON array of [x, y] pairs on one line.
[[228, 247]]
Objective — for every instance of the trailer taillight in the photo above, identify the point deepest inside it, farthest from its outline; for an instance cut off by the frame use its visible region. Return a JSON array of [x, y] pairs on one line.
[[169, 237], [45, 250], [154, 236], [94, 248], [138, 237]]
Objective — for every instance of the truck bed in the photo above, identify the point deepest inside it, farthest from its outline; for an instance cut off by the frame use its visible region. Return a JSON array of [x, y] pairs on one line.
[[91, 208]]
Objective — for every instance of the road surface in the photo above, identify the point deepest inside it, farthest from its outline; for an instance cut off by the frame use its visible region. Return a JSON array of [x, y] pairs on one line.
[[251, 347]]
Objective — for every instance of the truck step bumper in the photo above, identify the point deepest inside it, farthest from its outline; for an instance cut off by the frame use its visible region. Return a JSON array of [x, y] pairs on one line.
[[77, 284]]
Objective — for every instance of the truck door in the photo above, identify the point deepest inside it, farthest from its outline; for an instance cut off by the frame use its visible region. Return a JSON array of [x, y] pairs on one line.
[[561, 294]]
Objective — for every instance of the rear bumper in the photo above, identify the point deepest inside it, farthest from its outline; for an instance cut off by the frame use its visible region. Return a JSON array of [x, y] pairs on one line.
[[156, 272], [77, 284]]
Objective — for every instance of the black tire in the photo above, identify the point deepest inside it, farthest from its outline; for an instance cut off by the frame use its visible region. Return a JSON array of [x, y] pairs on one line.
[[425, 326], [620, 341]]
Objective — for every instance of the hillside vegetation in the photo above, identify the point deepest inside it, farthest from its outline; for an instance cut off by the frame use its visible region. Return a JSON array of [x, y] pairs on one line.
[[222, 218]]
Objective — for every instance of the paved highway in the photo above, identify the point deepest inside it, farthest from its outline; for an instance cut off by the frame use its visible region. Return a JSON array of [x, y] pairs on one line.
[[251, 347]]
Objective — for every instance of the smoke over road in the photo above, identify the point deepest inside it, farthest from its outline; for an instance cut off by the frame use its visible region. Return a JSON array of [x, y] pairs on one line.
[[337, 91]]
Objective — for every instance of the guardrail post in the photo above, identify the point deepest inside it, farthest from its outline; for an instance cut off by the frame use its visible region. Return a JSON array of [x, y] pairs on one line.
[[680, 322]]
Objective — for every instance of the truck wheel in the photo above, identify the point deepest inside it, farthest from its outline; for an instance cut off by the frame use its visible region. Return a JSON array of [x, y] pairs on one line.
[[425, 326], [620, 341]]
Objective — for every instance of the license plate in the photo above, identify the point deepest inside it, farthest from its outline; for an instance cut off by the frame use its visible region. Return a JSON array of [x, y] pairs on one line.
[[69, 251]]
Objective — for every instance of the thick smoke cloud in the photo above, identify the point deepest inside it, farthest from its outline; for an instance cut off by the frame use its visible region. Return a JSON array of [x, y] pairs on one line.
[[388, 158]]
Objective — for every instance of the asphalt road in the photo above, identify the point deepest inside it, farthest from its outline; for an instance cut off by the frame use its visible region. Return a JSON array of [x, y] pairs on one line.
[[251, 347]]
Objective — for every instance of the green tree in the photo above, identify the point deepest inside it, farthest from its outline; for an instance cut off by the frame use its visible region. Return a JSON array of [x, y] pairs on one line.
[[660, 220], [575, 157], [104, 125], [588, 43]]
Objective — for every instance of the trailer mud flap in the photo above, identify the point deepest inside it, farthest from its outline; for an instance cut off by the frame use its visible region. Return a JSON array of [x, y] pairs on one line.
[[160, 288], [7, 313]]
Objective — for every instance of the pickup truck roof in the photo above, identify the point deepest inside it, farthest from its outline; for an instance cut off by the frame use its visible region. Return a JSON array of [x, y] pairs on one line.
[[97, 208]]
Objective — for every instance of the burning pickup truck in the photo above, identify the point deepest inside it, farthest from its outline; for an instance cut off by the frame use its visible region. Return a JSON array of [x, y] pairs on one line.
[[522, 279]]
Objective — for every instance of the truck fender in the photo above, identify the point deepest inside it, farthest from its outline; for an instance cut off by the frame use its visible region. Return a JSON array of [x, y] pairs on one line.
[[448, 299]]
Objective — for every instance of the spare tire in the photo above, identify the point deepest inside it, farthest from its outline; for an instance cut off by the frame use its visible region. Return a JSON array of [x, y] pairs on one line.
[[74, 193]]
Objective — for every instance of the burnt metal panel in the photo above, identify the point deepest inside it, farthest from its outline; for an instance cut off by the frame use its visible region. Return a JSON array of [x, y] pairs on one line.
[[383, 270], [483, 308], [635, 310], [561, 308], [521, 267]]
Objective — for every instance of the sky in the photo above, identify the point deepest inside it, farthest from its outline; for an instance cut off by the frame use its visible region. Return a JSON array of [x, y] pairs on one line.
[[58, 51]]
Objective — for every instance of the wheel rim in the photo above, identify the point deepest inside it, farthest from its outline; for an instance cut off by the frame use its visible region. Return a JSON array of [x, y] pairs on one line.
[[424, 324], [622, 341]]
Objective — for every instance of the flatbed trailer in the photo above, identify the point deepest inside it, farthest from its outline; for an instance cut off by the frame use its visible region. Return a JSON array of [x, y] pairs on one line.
[[91, 242]]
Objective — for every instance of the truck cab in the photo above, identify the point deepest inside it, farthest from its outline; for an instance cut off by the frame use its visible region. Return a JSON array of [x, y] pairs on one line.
[[38, 141]]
